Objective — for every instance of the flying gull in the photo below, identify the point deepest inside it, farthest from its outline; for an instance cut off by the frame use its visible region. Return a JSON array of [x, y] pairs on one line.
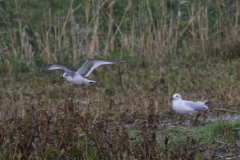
[[185, 107], [78, 76]]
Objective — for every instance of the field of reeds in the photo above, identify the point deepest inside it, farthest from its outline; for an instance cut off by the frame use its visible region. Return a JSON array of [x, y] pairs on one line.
[[171, 46]]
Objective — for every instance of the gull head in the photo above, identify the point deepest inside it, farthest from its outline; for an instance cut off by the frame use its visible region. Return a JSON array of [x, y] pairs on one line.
[[176, 96], [65, 75]]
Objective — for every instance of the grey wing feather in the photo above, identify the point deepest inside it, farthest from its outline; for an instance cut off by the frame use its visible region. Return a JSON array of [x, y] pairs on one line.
[[197, 106], [53, 67], [86, 67], [91, 64]]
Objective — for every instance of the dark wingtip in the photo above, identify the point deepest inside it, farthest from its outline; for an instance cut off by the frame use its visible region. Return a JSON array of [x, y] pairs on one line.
[[121, 62], [116, 61], [210, 104], [45, 68]]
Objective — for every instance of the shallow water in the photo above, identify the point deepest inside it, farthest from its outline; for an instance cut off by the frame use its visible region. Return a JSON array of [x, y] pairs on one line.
[[232, 117]]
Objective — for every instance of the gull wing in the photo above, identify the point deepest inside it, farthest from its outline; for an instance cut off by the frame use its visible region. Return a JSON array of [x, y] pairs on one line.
[[53, 67], [91, 64], [197, 106]]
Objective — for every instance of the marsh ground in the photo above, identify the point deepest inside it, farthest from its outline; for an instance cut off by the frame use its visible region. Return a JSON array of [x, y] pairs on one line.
[[189, 48]]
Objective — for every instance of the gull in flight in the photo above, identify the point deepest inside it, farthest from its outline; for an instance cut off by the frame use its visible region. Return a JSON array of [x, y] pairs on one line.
[[78, 76], [185, 107]]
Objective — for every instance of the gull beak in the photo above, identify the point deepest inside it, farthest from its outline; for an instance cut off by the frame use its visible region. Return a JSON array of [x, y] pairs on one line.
[[172, 98], [61, 77]]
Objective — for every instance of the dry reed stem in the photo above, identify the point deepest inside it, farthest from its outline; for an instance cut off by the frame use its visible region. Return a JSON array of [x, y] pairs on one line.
[[110, 21], [64, 25], [95, 41], [113, 37], [190, 22]]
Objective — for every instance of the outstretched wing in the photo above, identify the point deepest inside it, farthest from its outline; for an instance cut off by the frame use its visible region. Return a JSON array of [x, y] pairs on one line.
[[91, 64], [54, 66]]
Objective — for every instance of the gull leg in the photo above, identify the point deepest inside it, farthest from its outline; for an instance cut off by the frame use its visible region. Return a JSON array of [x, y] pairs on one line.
[[180, 120], [205, 116], [184, 120], [192, 120], [196, 119]]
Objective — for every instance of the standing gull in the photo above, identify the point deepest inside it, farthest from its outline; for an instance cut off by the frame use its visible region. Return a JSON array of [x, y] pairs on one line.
[[185, 107], [78, 76]]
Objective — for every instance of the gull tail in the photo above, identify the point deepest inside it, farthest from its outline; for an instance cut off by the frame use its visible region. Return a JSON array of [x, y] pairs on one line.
[[91, 82]]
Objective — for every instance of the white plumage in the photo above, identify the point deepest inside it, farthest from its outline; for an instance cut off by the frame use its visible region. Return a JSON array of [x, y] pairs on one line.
[[185, 107], [78, 76]]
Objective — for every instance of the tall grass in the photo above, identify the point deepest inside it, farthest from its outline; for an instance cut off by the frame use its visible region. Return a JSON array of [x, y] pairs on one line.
[[141, 27]]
